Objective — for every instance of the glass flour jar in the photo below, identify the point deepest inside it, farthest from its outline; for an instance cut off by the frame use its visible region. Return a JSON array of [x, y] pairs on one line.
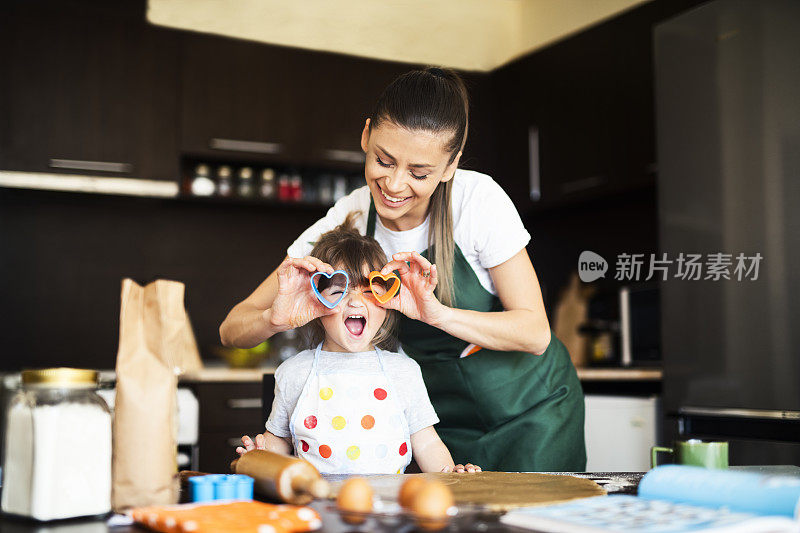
[[57, 461]]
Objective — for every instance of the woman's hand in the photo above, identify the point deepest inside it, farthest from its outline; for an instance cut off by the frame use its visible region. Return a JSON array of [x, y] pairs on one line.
[[295, 303], [460, 469], [419, 278]]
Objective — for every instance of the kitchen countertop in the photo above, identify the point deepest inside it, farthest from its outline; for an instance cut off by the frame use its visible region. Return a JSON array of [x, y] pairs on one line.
[[619, 374], [222, 374], [613, 482], [212, 373]]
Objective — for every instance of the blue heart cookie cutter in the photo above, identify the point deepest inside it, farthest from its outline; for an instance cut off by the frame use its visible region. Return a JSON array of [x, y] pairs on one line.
[[319, 296]]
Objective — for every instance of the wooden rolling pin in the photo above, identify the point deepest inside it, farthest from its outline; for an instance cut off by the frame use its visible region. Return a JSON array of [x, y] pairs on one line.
[[282, 477]]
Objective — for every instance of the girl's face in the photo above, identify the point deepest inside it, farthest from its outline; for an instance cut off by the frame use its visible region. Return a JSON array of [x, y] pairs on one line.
[[403, 168], [356, 322]]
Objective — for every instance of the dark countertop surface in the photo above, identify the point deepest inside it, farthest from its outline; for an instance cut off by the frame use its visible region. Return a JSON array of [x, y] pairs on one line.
[[613, 482]]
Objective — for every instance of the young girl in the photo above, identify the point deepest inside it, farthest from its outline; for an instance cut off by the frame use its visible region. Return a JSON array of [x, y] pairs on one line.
[[349, 404]]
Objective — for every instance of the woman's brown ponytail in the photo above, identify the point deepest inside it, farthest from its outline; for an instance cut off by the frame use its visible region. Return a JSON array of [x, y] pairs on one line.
[[435, 100]]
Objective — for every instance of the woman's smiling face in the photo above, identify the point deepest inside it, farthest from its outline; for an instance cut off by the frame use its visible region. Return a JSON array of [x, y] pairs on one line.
[[403, 168]]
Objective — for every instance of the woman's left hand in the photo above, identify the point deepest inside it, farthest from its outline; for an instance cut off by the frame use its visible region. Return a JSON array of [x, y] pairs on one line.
[[418, 279]]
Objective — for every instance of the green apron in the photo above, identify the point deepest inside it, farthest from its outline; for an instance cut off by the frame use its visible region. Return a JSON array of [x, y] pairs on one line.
[[504, 411]]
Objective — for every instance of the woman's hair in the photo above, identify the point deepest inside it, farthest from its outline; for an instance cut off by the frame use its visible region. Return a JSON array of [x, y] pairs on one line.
[[433, 100], [344, 248]]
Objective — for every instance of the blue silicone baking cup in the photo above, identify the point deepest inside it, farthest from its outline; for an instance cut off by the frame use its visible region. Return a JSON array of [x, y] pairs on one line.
[[221, 487]]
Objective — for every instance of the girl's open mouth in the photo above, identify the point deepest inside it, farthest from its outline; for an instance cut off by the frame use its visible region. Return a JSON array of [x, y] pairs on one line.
[[355, 324]]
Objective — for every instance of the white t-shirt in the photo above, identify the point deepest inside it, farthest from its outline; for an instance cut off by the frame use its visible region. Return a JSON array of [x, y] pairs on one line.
[[403, 373], [486, 225]]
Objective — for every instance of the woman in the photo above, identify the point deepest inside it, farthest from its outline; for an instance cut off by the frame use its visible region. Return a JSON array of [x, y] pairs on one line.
[[504, 389]]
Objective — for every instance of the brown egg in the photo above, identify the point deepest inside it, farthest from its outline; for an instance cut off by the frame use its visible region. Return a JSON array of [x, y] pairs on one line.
[[409, 489], [355, 495], [430, 505]]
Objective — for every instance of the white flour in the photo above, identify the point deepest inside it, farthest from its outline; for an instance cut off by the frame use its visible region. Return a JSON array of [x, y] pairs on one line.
[[58, 461]]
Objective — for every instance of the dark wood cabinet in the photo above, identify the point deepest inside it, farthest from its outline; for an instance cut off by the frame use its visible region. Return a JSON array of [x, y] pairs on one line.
[[229, 410], [90, 88], [588, 102], [92, 81], [338, 95], [249, 101], [237, 99], [576, 121]]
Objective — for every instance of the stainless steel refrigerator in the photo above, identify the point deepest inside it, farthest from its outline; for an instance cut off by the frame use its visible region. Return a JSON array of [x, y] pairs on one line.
[[727, 78]]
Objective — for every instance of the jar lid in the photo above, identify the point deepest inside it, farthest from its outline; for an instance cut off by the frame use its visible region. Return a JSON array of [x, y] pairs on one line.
[[60, 377]]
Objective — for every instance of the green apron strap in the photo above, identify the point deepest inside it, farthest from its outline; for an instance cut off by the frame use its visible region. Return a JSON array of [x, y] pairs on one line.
[[505, 411], [371, 219]]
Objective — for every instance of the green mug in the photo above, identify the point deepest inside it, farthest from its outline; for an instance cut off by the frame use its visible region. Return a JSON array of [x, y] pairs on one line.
[[695, 452]]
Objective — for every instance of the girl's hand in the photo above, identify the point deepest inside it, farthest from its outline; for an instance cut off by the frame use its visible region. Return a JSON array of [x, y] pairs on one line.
[[460, 469], [266, 441], [419, 279], [249, 445], [296, 304]]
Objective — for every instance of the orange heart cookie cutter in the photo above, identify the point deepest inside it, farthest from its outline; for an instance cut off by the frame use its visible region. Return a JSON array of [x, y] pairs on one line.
[[390, 292]]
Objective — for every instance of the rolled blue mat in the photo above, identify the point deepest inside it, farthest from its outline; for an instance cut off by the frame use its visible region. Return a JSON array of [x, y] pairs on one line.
[[738, 491]]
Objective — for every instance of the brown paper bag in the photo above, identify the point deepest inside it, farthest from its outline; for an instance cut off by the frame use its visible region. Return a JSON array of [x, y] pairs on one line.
[[156, 344], [572, 310]]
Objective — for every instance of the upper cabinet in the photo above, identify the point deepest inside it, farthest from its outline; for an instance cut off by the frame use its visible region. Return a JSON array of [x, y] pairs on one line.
[[237, 99], [338, 93], [90, 89], [578, 116], [251, 101]]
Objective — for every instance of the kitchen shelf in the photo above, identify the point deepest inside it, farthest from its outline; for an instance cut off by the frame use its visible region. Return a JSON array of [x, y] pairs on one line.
[[140, 188], [225, 374], [234, 200], [88, 184], [584, 374]]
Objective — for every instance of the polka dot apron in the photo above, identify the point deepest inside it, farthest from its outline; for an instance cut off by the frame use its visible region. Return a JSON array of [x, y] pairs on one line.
[[348, 422]]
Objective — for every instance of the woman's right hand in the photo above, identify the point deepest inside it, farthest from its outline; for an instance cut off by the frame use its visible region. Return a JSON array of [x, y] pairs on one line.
[[416, 299], [296, 304]]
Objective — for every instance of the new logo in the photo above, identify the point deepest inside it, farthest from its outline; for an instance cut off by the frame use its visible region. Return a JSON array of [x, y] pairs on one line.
[[591, 266]]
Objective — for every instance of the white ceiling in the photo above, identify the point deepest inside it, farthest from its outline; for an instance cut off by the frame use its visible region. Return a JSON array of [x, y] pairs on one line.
[[476, 35]]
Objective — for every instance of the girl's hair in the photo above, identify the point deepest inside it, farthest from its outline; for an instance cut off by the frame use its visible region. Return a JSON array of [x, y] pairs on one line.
[[434, 100], [344, 248]]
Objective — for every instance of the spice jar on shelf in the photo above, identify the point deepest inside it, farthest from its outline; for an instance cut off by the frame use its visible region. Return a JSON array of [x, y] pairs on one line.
[[57, 461], [202, 184], [224, 181], [267, 189], [325, 194], [245, 189], [339, 187], [284, 188], [296, 187]]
